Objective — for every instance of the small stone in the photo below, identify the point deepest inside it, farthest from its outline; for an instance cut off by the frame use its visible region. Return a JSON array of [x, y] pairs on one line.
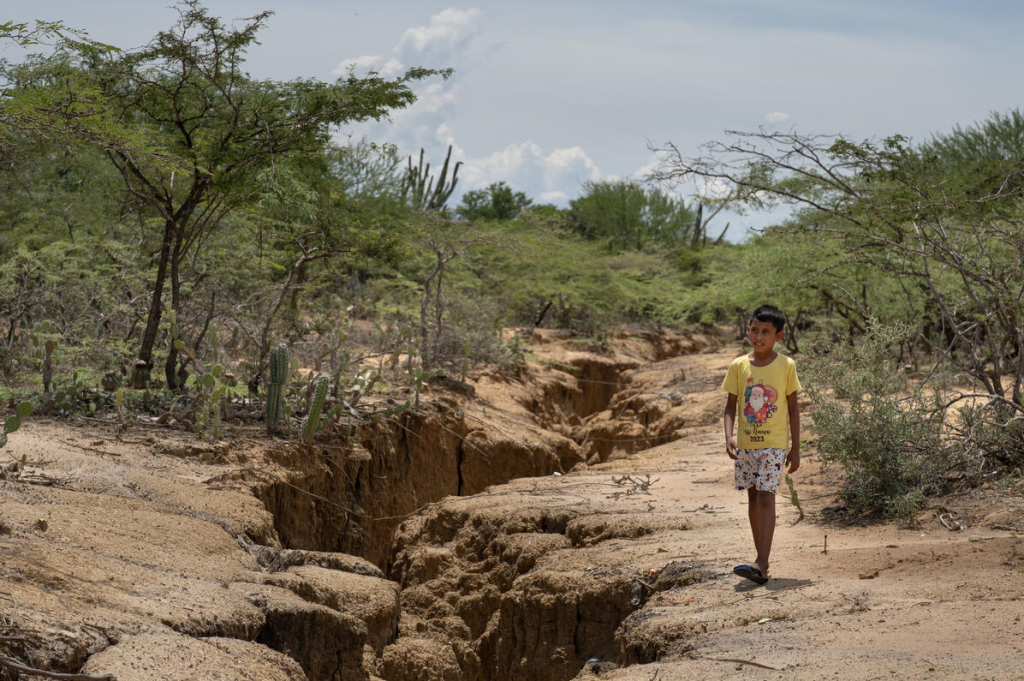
[[42, 525]]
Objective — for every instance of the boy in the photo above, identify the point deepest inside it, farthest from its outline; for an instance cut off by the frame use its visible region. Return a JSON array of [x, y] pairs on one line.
[[768, 384]]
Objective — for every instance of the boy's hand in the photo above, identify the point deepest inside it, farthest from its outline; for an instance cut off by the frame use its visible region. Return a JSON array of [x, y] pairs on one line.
[[793, 459], [729, 416]]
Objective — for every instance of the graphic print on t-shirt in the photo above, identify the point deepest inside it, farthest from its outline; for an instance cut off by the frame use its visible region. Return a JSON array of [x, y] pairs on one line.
[[759, 401]]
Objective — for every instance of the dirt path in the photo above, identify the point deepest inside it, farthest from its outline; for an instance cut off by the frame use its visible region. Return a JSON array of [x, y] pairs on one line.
[[883, 602]]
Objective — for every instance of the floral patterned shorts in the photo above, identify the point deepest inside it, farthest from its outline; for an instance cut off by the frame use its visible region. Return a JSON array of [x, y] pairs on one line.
[[760, 469]]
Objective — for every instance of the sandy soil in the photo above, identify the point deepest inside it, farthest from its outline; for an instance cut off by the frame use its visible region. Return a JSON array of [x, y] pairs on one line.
[[141, 558], [884, 600]]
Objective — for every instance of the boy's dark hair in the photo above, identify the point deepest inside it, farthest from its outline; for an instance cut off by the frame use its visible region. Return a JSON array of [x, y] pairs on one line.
[[769, 313]]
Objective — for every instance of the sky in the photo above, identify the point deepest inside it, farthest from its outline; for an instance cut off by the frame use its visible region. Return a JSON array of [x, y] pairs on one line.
[[547, 95]]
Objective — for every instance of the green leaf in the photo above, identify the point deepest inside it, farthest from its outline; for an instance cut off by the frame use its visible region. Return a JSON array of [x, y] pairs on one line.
[[3, 439], [209, 381], [24, 409], [179, 346], [217, 370], [12, 424]]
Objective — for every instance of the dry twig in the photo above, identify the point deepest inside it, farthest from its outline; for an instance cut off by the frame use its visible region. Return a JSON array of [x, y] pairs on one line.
[[16, 666]]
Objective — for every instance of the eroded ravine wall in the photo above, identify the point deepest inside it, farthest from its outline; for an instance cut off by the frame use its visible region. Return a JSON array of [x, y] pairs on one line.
[[474, 606]]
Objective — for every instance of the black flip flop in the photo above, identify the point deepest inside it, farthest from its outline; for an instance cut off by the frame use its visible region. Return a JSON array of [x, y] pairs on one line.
[[750, 572]]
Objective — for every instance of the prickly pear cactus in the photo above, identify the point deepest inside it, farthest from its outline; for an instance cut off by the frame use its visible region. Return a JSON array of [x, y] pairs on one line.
[[316, 409], [14, 422], [275, 388]]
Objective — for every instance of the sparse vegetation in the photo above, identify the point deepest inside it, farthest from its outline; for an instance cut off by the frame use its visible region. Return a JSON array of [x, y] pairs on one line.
[[208, 247]]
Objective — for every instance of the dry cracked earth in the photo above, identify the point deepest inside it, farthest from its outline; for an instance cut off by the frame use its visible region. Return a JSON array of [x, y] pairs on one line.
[[571, 520]]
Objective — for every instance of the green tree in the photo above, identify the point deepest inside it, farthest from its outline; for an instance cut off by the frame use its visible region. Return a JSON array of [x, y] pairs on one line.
[[186, 92], [46, 96], [630, 216], [497, 202], [950, 242]]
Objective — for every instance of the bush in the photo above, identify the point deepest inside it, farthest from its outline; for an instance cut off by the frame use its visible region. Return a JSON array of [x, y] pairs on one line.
[[992, 433], [886, 443], [471, 333]]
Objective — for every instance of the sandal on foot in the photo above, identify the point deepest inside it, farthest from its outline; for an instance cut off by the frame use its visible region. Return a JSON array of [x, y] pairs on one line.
[[750, 572]]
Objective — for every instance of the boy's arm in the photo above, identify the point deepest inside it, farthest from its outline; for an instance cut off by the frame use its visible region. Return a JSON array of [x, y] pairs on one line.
[[793, 458], [730, 417]]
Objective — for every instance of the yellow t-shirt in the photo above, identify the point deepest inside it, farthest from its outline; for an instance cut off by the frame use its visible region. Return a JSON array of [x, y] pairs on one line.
[[762, 410]]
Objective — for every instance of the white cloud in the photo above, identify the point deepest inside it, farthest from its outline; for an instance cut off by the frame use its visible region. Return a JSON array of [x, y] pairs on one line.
[[388, 69], [654, 163], [451, 39], [445, 41], [776, 117], [365, 62], [549, 176], [712, 189], [556, 197], [571, 163], [448, 32]]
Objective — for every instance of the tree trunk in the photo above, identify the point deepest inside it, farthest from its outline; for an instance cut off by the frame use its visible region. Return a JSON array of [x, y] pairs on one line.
[[293, 296], [174, 377], [438, 318], [155, 310]]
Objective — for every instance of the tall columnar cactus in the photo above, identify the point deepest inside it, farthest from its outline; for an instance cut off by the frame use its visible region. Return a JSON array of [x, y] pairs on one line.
[[418, 184], [275, 388], [48, 367], [315, 409]]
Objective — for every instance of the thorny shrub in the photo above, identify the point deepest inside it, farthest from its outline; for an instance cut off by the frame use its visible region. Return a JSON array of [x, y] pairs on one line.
[[884, 437], [993, 433]]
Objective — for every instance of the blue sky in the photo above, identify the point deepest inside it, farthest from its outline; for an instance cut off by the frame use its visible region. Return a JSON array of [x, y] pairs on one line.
[[547, 95]]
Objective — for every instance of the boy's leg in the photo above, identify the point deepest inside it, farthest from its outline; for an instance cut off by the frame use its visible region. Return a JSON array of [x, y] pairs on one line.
[[765, 504], [755, 517]]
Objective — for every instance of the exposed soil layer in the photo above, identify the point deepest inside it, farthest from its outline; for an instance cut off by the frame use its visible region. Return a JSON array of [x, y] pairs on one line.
[[534, 420], [574, 519]]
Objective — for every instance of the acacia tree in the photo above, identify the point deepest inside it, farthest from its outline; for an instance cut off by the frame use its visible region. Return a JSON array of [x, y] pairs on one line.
[[187, 93], [630, 216], [497, 202], [955, 239], [446, 240]]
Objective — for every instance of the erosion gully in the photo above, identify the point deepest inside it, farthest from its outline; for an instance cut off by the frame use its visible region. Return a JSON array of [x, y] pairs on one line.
[[473, 607]]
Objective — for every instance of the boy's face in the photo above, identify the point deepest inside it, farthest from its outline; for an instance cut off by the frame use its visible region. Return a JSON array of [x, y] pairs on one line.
[[763, 336]]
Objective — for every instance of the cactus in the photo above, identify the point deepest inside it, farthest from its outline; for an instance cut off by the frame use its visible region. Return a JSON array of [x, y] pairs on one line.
[[316, 409], [14, 422], [110, 381], [141, 374], [425, 195], [48, 367], [275, 388]]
